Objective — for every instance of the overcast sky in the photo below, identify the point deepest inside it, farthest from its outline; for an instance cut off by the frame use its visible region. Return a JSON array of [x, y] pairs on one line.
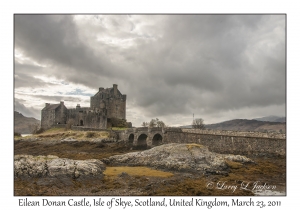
[[217, 67]]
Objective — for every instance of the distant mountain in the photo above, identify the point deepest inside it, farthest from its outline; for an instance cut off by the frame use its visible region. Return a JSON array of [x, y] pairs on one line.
[[22, 123], [281, 119], [248, 125], [271, 119]]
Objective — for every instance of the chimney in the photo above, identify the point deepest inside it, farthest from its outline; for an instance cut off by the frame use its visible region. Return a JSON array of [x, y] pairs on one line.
[[78, 106], [100, 89], [47, 104], [61, 103], [115, 89]]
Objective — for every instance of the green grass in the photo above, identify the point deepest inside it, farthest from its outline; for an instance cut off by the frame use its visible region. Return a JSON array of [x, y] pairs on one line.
[[62, 133], [118, 129], [54, 130]]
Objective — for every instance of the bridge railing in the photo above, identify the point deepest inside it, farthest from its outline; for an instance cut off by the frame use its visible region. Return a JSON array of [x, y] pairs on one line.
[[172, 129], [236, 133]]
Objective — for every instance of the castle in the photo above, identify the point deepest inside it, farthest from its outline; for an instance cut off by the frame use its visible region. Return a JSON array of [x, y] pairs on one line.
[[107, 109]]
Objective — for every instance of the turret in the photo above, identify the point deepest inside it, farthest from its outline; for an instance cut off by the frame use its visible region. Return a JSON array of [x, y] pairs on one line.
[[115, 89]]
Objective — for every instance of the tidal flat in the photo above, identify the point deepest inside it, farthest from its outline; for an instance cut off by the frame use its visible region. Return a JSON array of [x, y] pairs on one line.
[[266, 176]]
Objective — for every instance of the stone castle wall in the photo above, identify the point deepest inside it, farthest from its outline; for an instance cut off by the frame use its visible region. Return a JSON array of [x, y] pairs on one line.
[[112, 100], [116, 108], [47, 119], [51, 117], [61, 113]]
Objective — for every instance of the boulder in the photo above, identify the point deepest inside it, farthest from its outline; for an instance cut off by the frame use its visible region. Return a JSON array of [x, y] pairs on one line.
[[179, 157], [53, 166]]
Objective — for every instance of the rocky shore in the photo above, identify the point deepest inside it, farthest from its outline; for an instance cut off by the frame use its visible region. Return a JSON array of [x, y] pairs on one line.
[[179, 157], [26, 166], [65, 165]]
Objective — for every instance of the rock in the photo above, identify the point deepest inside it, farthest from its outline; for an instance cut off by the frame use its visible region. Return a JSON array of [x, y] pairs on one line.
[[53, 166], [124, 175], [90, 167], [60, 166], [178, 157], [68, 139]]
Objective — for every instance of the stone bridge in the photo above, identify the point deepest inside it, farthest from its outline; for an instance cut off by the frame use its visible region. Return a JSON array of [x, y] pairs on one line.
[[144, 137], [220, 142]]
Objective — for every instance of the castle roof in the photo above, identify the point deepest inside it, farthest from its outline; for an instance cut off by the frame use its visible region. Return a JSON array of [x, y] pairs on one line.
[[51, 107]]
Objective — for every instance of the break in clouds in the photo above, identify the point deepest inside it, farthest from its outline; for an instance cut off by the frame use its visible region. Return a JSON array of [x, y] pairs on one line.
[[219, 67]]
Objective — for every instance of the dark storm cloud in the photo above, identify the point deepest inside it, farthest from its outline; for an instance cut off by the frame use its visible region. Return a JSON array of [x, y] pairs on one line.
[[166, 64], [209, 55], [53, 40], [23, 80]]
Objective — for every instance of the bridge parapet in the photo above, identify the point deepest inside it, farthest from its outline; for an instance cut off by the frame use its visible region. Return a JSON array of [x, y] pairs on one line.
[[129, 130], [155, 129], [236, 133], [171, 129], [145, 129]]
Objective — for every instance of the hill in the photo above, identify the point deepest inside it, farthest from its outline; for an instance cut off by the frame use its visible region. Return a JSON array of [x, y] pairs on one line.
[[22, 124], [248, 125], [271, 119]]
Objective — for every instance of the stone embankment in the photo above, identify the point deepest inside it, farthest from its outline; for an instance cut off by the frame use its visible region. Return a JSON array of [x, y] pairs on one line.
[[237, 133], [179, 157], [28, 166]]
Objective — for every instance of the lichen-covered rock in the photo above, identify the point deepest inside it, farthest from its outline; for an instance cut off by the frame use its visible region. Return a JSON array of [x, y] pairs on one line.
[[88, 167], [61, 166], [178, 157], [53, 166]]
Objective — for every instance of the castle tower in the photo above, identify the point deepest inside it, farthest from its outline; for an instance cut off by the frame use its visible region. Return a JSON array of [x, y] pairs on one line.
[[114, 100]]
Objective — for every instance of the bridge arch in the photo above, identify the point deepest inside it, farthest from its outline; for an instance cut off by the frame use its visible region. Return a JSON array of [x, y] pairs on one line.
[[131, 138], [142, 141], [157, 139]]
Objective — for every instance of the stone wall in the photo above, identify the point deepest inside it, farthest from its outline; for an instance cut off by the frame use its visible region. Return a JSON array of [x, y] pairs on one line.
[[61, 114], [237, 133], [53, 114], [95, 120], [47, 118], [112, 100], [88, 118], [116, 108], [80, 128], [243, 145], [59, 126]]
